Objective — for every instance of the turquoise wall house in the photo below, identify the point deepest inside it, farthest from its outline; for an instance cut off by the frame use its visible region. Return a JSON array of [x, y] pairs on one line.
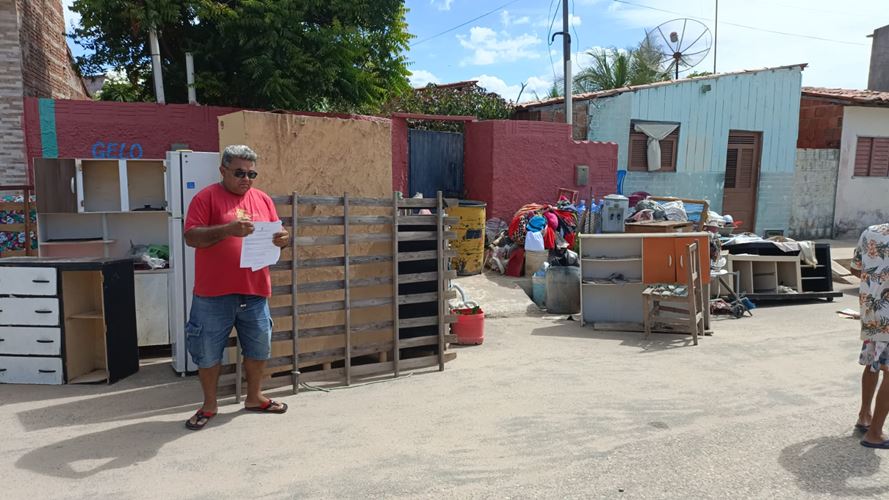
[[706, 108]]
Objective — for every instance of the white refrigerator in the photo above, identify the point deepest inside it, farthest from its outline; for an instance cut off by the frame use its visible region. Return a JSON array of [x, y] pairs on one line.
[[187, 173]]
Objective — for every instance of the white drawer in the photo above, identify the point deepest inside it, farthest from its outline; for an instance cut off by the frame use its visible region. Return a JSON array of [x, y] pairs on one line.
[[29, 311], [28, 280], [18, 370], [35, 341]]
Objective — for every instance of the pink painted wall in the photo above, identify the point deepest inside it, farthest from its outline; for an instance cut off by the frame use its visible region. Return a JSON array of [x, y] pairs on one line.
[[511, 163], [400, 155], [80, 125]]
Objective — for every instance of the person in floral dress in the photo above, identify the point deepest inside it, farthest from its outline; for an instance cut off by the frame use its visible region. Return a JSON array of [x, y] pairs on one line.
[[871, 264]]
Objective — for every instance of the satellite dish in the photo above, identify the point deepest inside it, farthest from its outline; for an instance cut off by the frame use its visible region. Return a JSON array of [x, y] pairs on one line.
[[681, 43]]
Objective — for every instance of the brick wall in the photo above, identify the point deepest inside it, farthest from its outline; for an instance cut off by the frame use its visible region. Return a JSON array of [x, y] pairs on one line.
[[555, 113], [47, 69], [12, 144], [820, 124], [814, 192]]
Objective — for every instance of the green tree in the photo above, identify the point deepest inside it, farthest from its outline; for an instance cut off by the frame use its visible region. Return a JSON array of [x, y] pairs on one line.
[[468, 100], [323, 55], [121, 90], [615, 68]]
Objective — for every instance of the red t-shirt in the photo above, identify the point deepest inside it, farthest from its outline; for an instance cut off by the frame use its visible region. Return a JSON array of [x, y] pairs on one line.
[[217, 269]]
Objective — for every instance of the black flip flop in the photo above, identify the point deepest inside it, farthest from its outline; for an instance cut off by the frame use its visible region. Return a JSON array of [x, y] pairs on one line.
[[201, 418], [270, 406], [880, 446]]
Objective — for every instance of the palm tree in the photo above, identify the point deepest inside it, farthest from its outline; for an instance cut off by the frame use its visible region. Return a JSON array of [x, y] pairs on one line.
[[615, 68]]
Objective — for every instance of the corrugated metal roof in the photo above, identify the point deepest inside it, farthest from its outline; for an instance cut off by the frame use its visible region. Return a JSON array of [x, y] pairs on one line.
[[613, 92], [849, 96]]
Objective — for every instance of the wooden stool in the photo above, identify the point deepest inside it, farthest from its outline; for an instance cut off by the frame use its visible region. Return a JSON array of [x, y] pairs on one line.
[[689, 319]]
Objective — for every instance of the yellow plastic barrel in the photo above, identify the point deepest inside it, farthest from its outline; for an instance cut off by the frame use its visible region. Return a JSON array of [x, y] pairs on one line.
[[470, 242]]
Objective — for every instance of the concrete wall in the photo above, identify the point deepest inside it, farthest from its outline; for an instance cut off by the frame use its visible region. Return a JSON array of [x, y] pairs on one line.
[[814, 192], [878, 77], [764, 101], [88, 129], [820, 124], [510, 163], [860, 201]]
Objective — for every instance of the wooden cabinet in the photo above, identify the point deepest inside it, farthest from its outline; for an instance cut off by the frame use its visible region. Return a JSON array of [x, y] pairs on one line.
[[71, 320], [56, 186], [664, 258], [659, 260]]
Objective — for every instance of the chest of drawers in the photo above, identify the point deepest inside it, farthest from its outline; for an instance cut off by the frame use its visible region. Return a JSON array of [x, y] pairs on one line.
[[67, 320]]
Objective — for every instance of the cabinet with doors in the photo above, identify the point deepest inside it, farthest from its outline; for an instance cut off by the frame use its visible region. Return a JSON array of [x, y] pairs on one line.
[[101, 208], [616, 268], [67, 320]]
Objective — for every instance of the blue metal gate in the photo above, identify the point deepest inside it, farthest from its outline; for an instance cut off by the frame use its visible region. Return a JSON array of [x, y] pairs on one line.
[[436, 163]]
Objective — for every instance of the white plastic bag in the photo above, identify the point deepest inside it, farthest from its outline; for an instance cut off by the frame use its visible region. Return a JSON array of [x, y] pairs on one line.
[[534, 242]]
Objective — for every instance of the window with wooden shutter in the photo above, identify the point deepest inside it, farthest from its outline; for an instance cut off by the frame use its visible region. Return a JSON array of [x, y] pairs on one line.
[[872, 157], [637, 158]]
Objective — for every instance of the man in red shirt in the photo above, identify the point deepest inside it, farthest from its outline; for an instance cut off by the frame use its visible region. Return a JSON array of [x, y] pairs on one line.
[[226, 295]]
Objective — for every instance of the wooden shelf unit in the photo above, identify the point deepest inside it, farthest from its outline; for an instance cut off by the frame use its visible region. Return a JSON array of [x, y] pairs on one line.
[[641, 259]]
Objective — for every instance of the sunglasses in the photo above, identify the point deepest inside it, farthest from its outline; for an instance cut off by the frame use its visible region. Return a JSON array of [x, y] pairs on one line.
[[240, 174]]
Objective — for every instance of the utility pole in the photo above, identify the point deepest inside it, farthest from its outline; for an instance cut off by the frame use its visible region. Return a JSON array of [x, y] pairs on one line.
[[156, 66], [566, 53], [715, 34]]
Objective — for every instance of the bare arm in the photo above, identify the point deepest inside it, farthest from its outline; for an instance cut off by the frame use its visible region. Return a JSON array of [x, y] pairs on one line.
[[856, 272], [203, 237]]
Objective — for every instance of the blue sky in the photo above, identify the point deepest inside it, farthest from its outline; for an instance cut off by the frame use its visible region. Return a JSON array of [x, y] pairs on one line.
[[510, 46]]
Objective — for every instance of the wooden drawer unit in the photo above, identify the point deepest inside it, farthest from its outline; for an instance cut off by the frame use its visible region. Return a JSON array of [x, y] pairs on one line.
[[35, 341], [28, 281], [41, 311], [67, 320], [31, 370]]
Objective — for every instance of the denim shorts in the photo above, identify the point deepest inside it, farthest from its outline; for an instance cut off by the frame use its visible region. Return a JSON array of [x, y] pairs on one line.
[[211, 320]]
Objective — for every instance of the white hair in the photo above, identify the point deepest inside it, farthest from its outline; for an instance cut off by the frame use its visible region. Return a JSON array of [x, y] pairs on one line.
[[237, 151]]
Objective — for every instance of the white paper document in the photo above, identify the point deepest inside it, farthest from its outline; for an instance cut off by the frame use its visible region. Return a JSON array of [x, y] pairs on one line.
[[257, 248]]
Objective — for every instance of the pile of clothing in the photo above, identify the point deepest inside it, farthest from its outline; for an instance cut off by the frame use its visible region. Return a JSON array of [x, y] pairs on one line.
[[550, 225], [650, 210], [535, 228]]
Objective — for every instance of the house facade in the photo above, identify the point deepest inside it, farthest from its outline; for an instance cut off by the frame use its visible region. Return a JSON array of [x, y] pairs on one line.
[[729, 138], [843, 162]]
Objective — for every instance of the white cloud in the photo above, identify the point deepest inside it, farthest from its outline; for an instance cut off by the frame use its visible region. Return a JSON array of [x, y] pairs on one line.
[[538, 84], [71, 18], [490, 47], [506, 19], [442, 4], [421, 78]]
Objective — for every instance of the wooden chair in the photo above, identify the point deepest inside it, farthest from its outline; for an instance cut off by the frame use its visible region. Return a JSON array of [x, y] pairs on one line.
[[569, 194], [689, 319]]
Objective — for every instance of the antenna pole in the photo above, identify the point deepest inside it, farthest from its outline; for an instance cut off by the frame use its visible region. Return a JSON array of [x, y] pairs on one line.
[[566, 54], [715, 34]]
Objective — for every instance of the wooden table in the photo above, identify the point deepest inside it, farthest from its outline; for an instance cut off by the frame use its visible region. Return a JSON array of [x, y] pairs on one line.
[[665, 226]]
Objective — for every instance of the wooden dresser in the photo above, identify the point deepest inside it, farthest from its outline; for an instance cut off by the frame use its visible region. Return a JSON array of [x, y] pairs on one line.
[[67, 320]]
